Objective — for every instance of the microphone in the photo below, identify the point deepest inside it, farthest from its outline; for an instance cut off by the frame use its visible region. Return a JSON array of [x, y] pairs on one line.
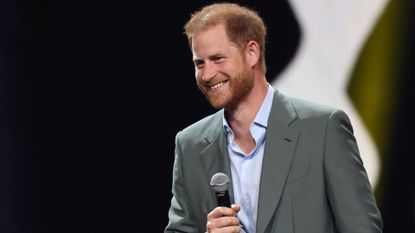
[[220, 183]]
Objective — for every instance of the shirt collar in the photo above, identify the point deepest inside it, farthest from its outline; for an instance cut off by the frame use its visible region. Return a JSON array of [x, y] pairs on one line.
[[263, 114]]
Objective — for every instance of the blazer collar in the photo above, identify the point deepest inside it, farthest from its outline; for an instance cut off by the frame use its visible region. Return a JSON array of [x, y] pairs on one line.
[[214, 155], [279, 150]]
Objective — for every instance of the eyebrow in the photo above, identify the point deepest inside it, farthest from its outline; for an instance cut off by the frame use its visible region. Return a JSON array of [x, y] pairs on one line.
[[211, 57]]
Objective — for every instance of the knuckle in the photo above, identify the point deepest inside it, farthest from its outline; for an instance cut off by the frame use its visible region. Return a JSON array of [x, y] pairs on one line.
[[210, 227], [232, 221]]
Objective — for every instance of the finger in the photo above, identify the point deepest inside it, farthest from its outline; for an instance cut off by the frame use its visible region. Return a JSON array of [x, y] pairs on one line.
[[212, 227], [236, 207], [220, 212], [232, 229], [223, 222]]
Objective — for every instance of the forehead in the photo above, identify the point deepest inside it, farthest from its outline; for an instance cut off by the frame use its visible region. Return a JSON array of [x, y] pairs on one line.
[[209, 41]]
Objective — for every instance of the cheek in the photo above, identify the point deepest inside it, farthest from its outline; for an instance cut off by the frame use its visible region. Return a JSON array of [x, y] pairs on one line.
[[197, 76]]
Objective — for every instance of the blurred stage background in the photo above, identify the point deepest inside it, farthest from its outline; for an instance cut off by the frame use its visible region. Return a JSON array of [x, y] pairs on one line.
[[92, 94]]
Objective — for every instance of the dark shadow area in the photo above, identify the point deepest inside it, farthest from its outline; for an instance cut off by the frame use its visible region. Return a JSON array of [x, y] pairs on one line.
[[398, 210]]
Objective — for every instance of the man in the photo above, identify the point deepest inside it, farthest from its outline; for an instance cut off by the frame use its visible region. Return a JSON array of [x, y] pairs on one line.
[[294, 165]]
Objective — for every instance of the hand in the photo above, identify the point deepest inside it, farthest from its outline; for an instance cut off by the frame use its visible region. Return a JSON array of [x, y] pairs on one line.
[[223, 220]]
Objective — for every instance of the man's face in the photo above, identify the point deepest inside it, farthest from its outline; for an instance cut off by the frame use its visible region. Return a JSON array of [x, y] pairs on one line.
[[222, 74]]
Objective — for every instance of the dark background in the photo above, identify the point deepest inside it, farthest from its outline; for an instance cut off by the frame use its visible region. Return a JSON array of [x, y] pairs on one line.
[[92, 94]]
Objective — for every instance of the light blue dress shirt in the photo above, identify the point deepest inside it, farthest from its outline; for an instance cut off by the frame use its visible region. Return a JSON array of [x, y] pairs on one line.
[[246, 168]]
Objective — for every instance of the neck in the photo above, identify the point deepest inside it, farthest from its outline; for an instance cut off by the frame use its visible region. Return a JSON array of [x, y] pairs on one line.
[[241, 117]]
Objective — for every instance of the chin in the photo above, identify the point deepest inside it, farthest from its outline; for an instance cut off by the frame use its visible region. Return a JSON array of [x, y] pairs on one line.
[[217, 104]]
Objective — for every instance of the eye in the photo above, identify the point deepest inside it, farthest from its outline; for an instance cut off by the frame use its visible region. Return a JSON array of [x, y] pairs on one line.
[[218, 59], [199, 63]]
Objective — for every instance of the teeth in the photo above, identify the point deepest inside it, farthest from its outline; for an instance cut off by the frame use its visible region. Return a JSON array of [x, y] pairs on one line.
[[216, 86]]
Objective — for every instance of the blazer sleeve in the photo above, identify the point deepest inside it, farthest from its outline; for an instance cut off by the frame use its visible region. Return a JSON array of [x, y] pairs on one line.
[[349, 192], [179, 213]]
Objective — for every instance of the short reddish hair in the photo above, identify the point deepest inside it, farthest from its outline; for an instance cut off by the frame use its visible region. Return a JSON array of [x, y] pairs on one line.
[[241, 24]]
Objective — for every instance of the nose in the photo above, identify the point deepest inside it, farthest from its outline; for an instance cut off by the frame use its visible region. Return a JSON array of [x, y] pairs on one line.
[[209, 71]]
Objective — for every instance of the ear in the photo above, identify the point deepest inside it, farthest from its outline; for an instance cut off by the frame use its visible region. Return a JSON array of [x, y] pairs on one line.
[[252, 53]]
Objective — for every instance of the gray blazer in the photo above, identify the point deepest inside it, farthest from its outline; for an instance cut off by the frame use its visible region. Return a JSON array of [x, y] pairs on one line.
[[312, 179]]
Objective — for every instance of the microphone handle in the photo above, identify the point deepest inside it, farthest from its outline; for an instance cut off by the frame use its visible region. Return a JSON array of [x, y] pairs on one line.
[[223, 198]]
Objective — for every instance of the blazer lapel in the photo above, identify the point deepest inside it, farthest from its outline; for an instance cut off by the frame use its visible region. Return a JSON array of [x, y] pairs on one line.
[[279, 150], [215, 156]]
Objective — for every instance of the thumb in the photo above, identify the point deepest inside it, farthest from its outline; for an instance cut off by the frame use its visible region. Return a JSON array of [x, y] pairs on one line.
[[236, 207]]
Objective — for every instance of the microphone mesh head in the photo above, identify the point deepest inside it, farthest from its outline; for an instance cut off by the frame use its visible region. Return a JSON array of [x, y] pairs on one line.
[[219, 182]]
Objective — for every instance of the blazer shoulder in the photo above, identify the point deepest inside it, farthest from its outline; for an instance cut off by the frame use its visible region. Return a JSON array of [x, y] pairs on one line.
[[312, 114], [306, 109], [204, 128]]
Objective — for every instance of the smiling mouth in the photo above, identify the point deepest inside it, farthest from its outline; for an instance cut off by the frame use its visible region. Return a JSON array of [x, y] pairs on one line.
[[217, 85]]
